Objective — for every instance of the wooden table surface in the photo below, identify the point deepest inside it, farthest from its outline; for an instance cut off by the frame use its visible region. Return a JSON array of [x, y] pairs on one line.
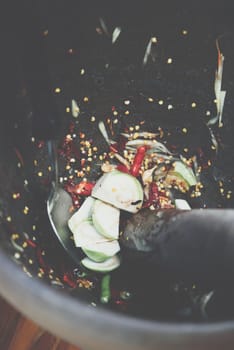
[[19, 333]]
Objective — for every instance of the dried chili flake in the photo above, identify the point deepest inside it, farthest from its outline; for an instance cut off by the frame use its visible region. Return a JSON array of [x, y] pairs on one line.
[[68, 149], [153, 196], [41, 144], [72, 127], [19, 156], [118, 147], [41, 260], [84, 188], [69, 280], [114, 148], [75, 151], [31, 243], [121, 304]]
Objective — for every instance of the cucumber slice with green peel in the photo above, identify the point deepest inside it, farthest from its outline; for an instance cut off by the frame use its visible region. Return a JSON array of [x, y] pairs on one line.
[[86, 234], [185, 172], [83, 213], [101, 251], [121, 190], [106, 266], [180, 175], [106, 219]]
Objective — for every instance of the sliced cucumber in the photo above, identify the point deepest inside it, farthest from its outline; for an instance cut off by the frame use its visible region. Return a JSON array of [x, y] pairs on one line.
[[86, 234], [83, 213], [101, 251], [185, 172], [182, 204], [106, 219], [121, 190], [106, 266], [180, 175], [94, 245]]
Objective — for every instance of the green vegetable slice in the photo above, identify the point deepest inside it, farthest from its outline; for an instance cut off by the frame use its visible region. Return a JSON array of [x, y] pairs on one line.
[[86, 234], [83, 213], [121, 190], [106, 266], [101, 251], [94, 245], [180, 175], [106, 219], [181, 169]]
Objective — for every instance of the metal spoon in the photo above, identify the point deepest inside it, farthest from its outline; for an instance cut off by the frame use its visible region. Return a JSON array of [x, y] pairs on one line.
[[58, 204]]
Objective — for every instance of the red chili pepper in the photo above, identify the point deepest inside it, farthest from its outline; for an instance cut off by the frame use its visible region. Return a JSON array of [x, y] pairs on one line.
[[137, 162], [84, 188], [122, 168], [153, 196]]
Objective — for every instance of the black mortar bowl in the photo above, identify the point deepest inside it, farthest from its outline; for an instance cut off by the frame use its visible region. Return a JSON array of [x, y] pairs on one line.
[[65, 50]]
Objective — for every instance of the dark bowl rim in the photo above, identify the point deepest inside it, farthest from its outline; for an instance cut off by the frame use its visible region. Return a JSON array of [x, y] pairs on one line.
[[38, 291]]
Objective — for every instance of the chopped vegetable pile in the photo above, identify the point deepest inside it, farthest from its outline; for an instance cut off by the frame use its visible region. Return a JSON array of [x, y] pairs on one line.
[[141, 174]]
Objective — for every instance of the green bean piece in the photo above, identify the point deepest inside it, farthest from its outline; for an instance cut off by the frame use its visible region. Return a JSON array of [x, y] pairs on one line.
[[105, 289]]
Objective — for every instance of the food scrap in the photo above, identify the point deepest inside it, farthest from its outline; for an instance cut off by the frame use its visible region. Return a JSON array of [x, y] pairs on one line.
[[140, 173]]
